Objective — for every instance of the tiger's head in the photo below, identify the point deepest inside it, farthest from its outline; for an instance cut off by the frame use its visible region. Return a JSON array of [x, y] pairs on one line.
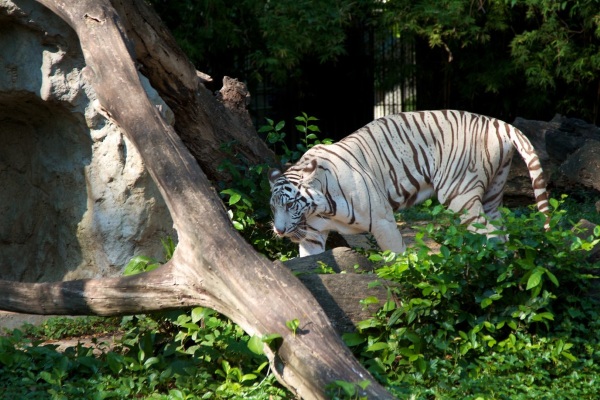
[[290, 204]]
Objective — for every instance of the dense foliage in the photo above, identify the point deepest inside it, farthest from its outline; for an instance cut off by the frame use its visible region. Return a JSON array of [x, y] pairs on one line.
[[478, 319], [503, 58], [195, 355], [486, 319], [499, 57], [248, 198], [250, 38]]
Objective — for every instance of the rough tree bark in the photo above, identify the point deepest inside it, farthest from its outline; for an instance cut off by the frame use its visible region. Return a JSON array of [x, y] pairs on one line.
[[202, 123], [212, 265]]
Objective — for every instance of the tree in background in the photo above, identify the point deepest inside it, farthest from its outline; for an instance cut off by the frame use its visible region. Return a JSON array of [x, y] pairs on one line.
[[503, 58], [257, 39], [559, 52], [294, 55]]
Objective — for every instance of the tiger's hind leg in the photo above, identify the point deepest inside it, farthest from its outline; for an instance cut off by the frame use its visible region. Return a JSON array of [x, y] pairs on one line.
[[493, 217], [470, 208], [492, 201]]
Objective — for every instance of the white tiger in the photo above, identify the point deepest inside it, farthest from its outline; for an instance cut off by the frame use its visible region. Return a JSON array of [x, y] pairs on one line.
[[392, 163]]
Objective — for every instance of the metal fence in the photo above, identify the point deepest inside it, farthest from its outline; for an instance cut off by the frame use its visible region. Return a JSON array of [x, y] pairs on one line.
[[394, 73], [375, 77]]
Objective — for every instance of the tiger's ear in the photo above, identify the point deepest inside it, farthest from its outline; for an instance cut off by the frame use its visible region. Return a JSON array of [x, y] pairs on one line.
[[274, 174], [309, 172]]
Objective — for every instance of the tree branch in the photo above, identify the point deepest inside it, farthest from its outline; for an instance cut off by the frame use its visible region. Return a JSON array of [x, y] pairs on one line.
[[212, 265], [152, 291]]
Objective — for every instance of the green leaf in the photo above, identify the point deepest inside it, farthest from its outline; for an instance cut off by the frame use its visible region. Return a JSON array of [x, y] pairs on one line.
[[347, 387], [378, 346], [389, 306], [279, 125], [198, 313], [139, 264], [293, 325], [176, 394], [353, 339], [45, 375], [421, 364], [274, 137], [238, 225], [273, 340], [552, 278], [234, 195], [486, 302], [115, 362], [255, 345], [543, 315], [368, 323], [234, 198], [248, 377], [535, 278], [369, 300], [151, 361]]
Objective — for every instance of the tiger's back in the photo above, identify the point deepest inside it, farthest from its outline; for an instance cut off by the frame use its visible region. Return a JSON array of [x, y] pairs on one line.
[[393, 163]]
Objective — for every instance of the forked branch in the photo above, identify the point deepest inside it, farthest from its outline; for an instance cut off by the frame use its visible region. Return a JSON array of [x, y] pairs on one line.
[[212, 265]]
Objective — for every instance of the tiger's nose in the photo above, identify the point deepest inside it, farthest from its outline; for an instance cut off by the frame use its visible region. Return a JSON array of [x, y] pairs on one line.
[[278, 232]]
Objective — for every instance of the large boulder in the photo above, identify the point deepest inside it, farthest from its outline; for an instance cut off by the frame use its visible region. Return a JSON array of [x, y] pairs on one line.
[[582, 167], [76, 200], [569, 150]]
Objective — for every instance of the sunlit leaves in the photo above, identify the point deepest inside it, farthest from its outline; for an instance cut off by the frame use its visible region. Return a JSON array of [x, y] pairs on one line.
[[478, 300]]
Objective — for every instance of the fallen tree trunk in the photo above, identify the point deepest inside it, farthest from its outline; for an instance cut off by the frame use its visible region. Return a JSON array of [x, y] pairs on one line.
[[212, 265], [340, 294]]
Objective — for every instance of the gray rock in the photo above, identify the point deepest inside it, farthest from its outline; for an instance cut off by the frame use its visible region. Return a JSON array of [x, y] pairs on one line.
[[76, 200], [582, 168], [569, 150]]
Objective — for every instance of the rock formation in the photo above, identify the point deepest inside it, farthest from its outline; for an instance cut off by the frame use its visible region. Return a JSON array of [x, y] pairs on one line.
[[76, 200], [569, 151]]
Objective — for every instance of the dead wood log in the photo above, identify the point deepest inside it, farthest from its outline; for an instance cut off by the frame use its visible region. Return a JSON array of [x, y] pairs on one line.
[[340, 293], [212, 265]]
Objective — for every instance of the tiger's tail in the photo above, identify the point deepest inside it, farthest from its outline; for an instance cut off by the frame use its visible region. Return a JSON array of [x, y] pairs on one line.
[[538, 182]]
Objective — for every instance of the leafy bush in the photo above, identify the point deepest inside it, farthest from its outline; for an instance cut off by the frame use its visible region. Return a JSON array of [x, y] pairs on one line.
[[65, 327], [207, 358], [248, 198], [485, 319]]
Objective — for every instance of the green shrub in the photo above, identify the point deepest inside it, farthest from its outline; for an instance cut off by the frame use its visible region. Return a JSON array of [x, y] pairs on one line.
[[249, 194], [484, 318], [207, 358]]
